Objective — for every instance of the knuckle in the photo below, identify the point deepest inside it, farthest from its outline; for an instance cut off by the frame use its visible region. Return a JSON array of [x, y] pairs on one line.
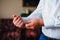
[[17, 25]]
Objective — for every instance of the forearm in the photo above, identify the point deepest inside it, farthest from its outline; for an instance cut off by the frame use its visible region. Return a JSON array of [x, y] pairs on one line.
[[35, 14]]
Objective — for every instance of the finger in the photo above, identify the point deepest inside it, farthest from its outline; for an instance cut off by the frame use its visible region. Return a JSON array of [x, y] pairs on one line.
[[16, 18], [30, 27], [20, 25], [28, 24], [17, 21]]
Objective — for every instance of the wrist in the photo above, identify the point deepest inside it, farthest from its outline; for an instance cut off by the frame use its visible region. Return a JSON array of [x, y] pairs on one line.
[[41, 23]]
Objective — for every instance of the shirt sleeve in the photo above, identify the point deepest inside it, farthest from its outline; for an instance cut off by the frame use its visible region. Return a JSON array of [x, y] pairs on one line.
[[36, 13], [53, 19]]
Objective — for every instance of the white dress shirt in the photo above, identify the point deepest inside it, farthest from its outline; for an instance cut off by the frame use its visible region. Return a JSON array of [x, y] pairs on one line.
[[49, 10]]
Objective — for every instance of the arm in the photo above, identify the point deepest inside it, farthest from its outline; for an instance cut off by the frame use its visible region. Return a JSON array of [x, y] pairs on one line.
[[52, 19], [36, 13], [19, 22]]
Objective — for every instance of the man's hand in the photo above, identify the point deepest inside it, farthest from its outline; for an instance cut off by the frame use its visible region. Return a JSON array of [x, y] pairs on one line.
[[32, 24], [18, 21]]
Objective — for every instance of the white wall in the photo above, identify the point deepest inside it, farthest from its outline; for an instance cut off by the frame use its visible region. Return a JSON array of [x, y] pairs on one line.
[[10, 7]]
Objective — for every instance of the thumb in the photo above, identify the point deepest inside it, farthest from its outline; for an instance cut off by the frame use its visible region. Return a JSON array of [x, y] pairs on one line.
[[28, 24]]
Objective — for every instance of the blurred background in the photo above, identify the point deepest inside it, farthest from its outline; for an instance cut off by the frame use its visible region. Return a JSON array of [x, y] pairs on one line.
[[17, 7]]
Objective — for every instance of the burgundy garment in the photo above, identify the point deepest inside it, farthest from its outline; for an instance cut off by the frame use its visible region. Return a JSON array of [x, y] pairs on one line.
[[8, 31]]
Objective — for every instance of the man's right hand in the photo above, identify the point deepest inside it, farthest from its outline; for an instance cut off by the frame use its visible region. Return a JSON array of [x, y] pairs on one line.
[[18, 21]]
